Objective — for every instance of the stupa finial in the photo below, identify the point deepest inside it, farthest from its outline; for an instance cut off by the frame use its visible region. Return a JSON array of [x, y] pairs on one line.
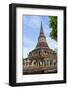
[[41, 31]]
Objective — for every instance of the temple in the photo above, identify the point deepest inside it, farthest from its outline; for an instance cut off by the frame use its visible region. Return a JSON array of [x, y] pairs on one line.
[[42, 59]]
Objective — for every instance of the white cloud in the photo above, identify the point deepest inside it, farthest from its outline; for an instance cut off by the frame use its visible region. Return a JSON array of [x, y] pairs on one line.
[[51, 43], [26, 51], [34, 21]]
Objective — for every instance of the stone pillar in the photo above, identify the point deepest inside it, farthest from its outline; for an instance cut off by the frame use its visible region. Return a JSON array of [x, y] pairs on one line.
[[43, 63], [49, 63]]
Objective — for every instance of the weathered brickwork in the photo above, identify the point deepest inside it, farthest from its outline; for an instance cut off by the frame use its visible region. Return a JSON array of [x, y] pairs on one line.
[[42, 59]]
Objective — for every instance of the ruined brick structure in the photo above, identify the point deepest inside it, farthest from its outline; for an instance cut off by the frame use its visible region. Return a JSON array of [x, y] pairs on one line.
[[42, 59]]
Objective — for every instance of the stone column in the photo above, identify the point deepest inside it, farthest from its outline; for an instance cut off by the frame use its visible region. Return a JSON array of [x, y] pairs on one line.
[[43, 63]]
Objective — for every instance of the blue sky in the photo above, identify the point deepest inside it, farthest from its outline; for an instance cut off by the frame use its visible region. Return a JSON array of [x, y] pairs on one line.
[[30, 32]]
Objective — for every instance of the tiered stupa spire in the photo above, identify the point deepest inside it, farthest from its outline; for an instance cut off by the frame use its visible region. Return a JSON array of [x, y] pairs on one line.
[[41, 39]]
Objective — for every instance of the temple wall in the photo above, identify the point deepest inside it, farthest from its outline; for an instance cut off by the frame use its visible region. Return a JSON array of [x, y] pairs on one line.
[[45, 63]]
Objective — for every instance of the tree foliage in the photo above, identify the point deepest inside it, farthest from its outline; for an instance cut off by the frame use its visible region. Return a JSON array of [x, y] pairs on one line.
[[53, 26]]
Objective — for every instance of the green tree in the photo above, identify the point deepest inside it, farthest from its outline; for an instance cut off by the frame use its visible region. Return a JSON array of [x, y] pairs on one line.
[[53, 26]]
